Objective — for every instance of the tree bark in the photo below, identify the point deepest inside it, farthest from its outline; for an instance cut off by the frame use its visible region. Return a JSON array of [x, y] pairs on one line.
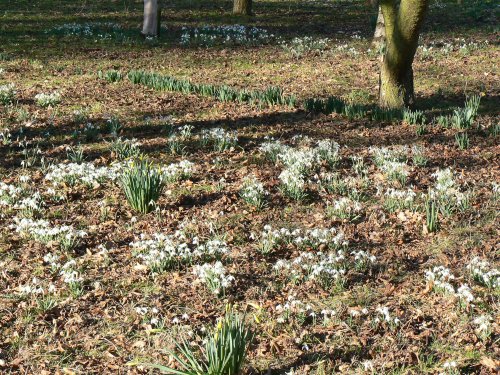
[[151, 24], [243, 7], [379, 35], [402, 28]]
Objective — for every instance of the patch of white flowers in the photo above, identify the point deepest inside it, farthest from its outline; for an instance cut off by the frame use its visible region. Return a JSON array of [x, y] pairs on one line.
[[160, 252], [381, 155], [345, 208], [44, 232], [177, 171], [484, 273], [214, 276], [399, 199], [347, 49], [396, 171], [48, 100], [325, 268], [31, 205], [98, 30], [495, 189], [447, 192], [9, 194], [219, 138], [84, 173], [253, 192], [328, 150], [69, 274], [385, 316], [227, 35], [271, 238], [442, 47], [5, 136], [294, 308], [299, 162], [18, 198], [293, 184], [301, 46], [53, 260], [441, 279], [35, 287], [72, 277], [484, 327], [272, 149], [7, 93]]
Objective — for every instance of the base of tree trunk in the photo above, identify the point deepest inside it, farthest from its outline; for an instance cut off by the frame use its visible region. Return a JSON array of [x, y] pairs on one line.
[[242, 7], [152, 19], [396, 92]]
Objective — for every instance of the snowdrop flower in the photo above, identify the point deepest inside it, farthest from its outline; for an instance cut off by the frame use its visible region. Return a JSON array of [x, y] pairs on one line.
[[368, 365], [24, 178], [484, 273], [451, 364], [214, 276], [465, 293], [141, 310]]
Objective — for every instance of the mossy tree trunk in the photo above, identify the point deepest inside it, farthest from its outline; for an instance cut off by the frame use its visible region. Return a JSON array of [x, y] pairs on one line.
[[402, 28], [152, 16], [243, 7]]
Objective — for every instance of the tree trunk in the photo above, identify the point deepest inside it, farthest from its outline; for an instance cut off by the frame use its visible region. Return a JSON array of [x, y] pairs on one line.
[[379, 35], [151, 25], [402, 28], [243, 7]]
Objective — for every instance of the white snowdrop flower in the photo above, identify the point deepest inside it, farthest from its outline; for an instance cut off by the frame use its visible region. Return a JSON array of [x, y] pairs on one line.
[[141, 310], [465, 293], [185, 316], [24, 178], [483, 323], [46, 100], [7, 93], [451, 364], [154, 321], [484, 273], [368, 365], [175, 320], [214, 276]]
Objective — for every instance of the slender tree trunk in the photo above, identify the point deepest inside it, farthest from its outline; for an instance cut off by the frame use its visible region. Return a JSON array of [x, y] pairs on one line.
[[379, 35], [151, 25], [402, 28], [243, 7]]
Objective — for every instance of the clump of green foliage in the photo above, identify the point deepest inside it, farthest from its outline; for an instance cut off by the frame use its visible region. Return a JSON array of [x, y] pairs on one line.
[[110, 75], [224, 352], [270, 96], [142, 184]]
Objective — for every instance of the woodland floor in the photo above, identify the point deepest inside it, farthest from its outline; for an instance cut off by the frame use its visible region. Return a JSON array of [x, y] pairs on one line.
[[102, 328]]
